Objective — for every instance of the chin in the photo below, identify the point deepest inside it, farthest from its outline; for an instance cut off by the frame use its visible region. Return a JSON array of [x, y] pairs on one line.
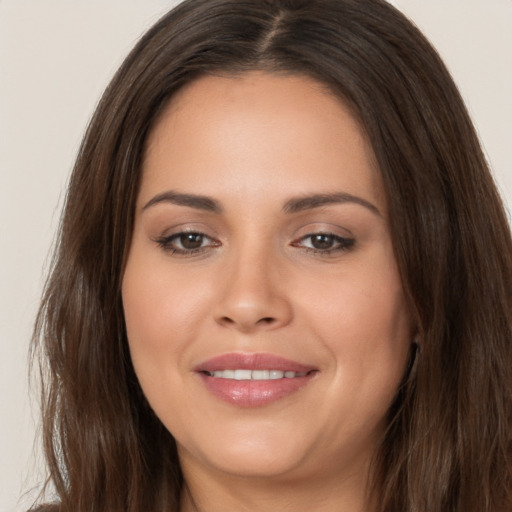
[[251, 454]]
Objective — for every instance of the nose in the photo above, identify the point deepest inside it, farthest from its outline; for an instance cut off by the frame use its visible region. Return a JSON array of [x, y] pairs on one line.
[[253, 296]]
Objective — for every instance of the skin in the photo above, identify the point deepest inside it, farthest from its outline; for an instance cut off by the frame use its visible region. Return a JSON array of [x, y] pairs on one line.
[[257, 284]]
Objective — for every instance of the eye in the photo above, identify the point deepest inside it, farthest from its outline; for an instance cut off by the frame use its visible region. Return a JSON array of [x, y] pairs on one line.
[[324, 243], [190, 241], [186, 243]]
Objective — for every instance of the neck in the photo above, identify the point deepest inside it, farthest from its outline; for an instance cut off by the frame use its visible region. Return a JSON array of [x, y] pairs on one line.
[[210, 491]]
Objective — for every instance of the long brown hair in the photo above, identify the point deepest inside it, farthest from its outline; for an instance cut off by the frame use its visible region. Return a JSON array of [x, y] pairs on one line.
[[447, 447]]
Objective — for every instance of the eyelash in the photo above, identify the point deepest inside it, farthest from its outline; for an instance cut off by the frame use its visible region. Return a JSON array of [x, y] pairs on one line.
[[342, 244], [167, 243]]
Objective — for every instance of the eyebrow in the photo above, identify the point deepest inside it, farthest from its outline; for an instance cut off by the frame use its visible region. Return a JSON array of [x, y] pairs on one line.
[[318, 200], [294, 205], [193, 201]]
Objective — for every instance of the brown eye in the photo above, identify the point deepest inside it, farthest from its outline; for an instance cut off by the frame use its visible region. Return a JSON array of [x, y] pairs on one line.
[[322, 242], [191, 241], [187, 243]]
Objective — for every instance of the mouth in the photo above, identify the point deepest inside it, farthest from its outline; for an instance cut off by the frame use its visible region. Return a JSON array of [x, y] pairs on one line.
[[242, 374], [253, 380]]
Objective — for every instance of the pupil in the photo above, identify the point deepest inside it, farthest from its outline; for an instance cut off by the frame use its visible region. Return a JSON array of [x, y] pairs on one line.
[[322, 241], [191, 240]]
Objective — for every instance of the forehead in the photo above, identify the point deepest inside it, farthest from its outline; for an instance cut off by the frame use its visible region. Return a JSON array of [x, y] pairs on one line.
[[262, 127]]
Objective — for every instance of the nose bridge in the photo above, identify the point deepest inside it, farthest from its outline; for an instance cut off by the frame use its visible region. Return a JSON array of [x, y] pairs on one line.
[[253, 297]]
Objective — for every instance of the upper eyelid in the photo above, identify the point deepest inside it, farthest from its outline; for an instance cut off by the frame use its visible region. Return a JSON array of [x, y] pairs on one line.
[[338, 232], [170, 244], [340, 243], [335, 231], [177, 234], [179, 229], [339, 238], [310, 232], [334, 226]]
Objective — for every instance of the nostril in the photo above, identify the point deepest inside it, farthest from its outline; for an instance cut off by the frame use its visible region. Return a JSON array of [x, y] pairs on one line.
[[266, 320]]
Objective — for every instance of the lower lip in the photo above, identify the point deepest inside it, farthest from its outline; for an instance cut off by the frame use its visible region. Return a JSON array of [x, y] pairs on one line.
[[254, 393]]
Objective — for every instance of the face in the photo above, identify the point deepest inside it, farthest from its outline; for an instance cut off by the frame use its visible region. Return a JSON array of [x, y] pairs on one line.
[[265, 314]]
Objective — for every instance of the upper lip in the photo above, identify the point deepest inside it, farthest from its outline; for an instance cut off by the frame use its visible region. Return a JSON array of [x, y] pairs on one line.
[[252, 361]]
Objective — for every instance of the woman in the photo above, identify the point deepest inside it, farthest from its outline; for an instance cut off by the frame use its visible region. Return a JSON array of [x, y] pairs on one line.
[[283, 277]]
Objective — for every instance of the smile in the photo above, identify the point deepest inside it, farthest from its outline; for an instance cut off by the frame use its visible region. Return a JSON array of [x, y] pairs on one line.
[[253, 380], [255, 374]]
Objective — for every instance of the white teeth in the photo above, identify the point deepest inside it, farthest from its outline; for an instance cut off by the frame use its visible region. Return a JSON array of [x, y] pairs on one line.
[[243, 374], [255, 374], [260, 375]]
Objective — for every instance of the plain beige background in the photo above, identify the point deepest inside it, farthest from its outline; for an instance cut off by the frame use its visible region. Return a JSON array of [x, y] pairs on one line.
[[56, 56]]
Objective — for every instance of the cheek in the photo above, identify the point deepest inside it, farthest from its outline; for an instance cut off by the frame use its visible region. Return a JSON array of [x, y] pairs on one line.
[[158, 306], [364, 304], [161, 315], [364, 322]]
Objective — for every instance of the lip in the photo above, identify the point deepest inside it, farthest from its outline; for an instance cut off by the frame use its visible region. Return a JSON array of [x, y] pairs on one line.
[[253, 393]]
